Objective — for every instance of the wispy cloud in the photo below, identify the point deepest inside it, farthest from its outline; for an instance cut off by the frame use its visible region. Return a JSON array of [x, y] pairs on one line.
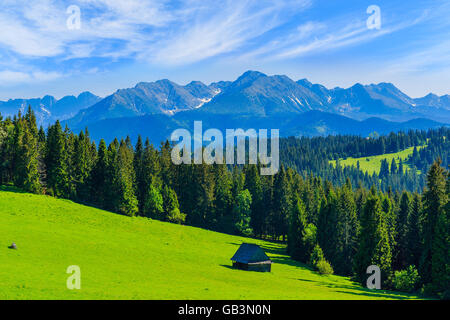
[[164, 31], [8, 77], [313, 37], [210, 32], [36, 45]]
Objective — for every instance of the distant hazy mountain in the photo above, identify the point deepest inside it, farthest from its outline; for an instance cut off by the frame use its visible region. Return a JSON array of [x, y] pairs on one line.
[[48, 109], [146, 98], [432, 100], [257, 94]]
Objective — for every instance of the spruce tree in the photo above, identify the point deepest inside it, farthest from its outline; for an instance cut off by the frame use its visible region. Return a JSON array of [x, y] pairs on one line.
[[394, 168], [373, 241], [347, 230], [327, 227], [413, 232], [296, 246], [401, 259], [154, 203], [253, 184], [435, 198], [281, 203], [138, 161], [127, 203], [98, 181], [223, 200], [56, 161]]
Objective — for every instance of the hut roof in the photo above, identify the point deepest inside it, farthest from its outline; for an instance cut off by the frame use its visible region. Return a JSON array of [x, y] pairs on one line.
[[250, 253]]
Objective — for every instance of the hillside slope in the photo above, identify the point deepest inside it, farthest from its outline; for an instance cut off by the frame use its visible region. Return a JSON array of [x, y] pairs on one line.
[[138, 258], [372, 164]]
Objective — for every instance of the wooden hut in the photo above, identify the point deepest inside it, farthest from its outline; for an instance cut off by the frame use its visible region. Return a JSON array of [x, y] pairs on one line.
[[252, 258]]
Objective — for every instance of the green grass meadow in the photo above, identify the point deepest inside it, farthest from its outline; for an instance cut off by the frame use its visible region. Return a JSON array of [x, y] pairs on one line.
[[138, 258], [372, 164]]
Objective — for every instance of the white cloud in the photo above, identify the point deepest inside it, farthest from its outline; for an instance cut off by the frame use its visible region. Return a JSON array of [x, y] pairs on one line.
[[11, 77], [154, 29]]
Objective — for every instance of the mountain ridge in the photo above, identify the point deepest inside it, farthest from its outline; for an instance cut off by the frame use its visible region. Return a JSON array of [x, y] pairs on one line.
[[255, 93], [268, 99], [48, 108]]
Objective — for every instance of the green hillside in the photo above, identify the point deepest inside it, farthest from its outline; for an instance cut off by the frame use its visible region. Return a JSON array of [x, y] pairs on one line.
[[372, 164], [138, 258]]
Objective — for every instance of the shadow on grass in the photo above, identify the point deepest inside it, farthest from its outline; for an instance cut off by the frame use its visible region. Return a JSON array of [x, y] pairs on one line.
[[361, 291], [228, 266], [11, 189], [282, 258]]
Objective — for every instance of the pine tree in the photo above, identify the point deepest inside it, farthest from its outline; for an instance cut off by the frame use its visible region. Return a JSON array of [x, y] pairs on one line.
[[327, 227], [400, 167], [242, 211], [384, 169], [388, 205], [440, 261], [69, 148], [400, 258], [373, 240], [281, 204], [394, 168], [347, 230], [98, 181], [139, 170], [26, 153], [154, 203], [253, 184], [127, 203], [435, 198], [82, 165], [413, 232], [56, 161], [297, 226], [171, 206], [223, 200]]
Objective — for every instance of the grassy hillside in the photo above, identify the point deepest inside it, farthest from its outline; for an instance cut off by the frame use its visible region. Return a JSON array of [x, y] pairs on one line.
[[138, 258], [372, 164]]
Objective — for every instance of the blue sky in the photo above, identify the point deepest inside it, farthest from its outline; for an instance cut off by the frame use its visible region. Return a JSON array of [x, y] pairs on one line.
[[120, 43]]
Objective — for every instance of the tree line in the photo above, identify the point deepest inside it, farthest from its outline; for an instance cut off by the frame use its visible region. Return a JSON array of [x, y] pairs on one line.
[[312, 156], [335, 228]]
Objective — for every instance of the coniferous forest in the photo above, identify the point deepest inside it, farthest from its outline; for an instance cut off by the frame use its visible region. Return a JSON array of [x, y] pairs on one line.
[[338, 220]]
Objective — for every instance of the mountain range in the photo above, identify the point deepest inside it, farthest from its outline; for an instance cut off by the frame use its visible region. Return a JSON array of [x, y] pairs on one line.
[[254, 100], [48, 109]]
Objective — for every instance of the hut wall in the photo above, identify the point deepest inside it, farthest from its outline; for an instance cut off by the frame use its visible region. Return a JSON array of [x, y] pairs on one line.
[[263, 267]]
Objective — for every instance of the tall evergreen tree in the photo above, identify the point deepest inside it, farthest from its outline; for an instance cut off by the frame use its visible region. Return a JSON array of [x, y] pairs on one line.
[[98, 180], [347, 230], [374, 246], [56, 161], [327, 227], [296, 245], [435, 198], [281, 203], [400, 259], [253, 184], [413, 232]]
